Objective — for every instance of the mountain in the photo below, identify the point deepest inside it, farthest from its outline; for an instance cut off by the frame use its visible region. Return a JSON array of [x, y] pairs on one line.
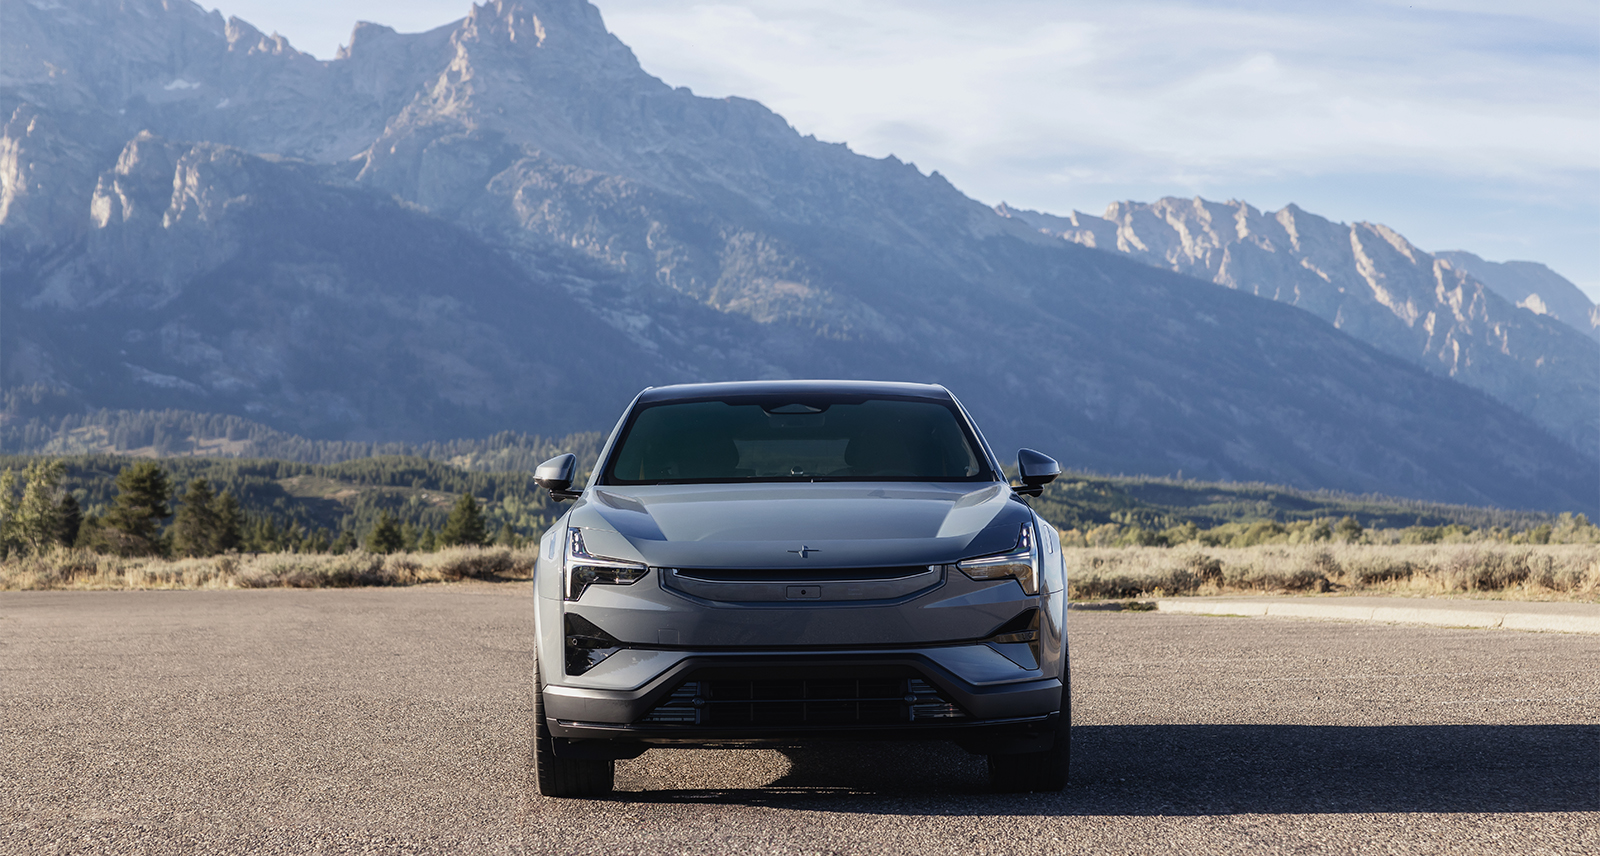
[[1437, 311], [506, 224], [1534, 287]]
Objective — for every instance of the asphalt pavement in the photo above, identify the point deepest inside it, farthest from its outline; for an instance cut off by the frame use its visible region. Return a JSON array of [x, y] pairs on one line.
[[396, 721]]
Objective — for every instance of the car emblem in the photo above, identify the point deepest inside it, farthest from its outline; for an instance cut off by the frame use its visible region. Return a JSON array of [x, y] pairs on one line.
[[805, 552]]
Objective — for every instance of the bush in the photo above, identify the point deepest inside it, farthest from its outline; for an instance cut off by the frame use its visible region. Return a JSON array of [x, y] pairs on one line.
[[1478, 570], [1521, 571], [1385, 570], [479, 564], [1205, 568], [317, 571], [86, 569]]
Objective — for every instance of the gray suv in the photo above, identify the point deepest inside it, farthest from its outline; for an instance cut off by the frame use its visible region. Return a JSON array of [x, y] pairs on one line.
[[776, 562]]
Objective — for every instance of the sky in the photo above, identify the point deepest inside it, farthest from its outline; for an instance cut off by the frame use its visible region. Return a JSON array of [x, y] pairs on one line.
[[1456, 122]]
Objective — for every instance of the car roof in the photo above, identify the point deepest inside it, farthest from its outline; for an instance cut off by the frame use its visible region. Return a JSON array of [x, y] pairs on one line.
[[691, 391]]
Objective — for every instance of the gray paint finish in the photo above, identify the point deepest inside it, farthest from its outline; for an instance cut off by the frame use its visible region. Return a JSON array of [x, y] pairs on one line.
[[778, 572]]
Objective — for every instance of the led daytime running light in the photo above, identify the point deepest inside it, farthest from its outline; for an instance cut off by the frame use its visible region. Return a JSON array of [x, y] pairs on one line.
[[1020, 563], [584, 569]]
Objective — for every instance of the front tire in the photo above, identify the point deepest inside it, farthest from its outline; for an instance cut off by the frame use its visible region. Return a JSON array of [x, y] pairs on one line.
[[563, 777], [1038, 771]]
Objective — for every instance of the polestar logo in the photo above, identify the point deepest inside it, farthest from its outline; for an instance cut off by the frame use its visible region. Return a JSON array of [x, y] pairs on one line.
[[805, 552]]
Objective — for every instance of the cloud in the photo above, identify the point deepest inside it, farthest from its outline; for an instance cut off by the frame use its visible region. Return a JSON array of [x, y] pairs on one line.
[[1238, 86], [1059, 105]]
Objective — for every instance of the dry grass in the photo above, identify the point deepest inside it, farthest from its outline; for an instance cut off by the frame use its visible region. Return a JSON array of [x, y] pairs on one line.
[[1523, 572], [83, 569], [1516, 572]]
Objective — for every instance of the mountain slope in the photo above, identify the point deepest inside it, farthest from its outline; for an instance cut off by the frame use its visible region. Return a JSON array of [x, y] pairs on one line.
[[536, 228], [1437, 311], [216, 280], [1534, 287]]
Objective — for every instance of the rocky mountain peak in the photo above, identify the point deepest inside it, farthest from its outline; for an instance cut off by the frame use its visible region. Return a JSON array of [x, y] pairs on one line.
[[1397, 242], [166, 213], [242, 36], [366, 35], [542, 75], [41, 168], [510, 22], [566, 32], [1532, 286], [1370, 281]]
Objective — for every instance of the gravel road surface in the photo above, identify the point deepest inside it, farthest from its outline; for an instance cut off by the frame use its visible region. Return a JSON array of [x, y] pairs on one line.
[[395, 721]]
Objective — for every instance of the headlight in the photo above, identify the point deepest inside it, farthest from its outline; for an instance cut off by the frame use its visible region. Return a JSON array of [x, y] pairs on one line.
[[1021, 563], [584, 569]]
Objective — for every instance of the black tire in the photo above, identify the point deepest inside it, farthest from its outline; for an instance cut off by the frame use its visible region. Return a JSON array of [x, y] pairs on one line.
[[563, 777], [1037, 771]]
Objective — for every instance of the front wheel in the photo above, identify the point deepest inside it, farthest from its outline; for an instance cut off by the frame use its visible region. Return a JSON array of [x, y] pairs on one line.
[[1037, 771], [563, 777]]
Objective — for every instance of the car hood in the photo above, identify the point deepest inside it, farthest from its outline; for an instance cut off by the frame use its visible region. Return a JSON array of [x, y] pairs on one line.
[[766, 525]]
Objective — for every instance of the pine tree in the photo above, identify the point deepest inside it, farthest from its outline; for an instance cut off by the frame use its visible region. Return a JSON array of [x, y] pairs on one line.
[[294, 537], [36, 524], [507, 537], [91, 535], [196, 528], [70, 520], [133, 524], [386, 537], [465, 527], [1348, 529], [264, 536], [317, 542], [8, 512], [230, 523], [344, 543]]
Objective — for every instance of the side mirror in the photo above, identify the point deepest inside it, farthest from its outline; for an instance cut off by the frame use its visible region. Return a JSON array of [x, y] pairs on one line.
[[556, 475], [1036, 470]]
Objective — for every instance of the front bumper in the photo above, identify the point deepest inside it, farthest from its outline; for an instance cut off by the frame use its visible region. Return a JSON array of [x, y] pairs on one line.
[[1014, 716]]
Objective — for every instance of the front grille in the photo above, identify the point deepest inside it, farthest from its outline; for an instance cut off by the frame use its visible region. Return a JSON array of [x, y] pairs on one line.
[[870, 699], [800, 574]]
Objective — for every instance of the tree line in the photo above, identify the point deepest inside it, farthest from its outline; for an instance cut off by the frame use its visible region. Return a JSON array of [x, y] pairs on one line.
[[42, 420], [1084, 502], [143, 513], [290, 503], [200, 506]]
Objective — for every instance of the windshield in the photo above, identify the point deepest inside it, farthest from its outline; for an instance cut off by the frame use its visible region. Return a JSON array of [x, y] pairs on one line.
[[812, 439]]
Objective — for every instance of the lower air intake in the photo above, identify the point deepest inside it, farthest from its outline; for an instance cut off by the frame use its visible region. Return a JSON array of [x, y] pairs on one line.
[[882, 699]]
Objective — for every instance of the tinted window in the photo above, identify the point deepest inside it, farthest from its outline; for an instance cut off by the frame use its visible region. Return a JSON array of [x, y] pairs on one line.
[[788, 440]]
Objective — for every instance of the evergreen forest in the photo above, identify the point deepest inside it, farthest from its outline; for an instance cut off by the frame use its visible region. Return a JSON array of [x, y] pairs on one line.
[[204, 506]]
